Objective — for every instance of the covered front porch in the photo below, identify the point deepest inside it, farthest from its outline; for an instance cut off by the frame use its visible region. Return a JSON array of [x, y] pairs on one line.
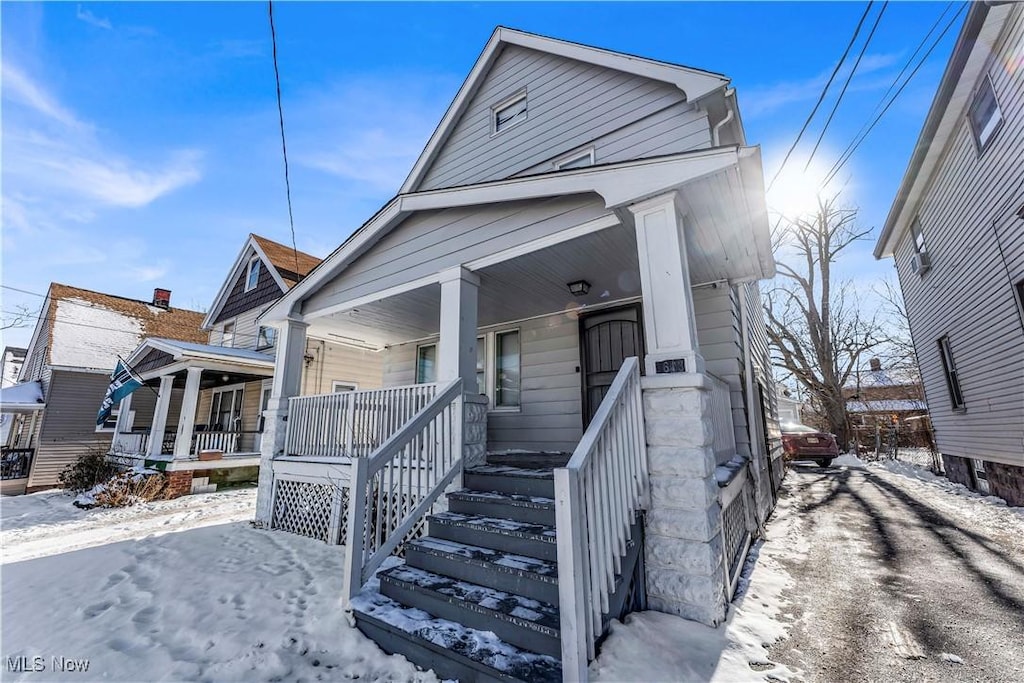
[[199, 408], [22, 409]]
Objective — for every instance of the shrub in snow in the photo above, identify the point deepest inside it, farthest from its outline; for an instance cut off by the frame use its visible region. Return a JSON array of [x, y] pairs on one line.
[[90, 469], [137, 485]]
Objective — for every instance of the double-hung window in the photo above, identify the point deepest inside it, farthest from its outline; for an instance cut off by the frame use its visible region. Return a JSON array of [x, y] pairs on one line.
[[498, 367], [985, 116], [228, 334], [426, 363], [507, 369], [956, 396]]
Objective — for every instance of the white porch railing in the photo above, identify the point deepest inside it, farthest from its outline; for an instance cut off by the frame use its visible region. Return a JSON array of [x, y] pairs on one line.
[[721, 418], [351, 423], [393, 489], [225, 442], [597, 496], [131, 443]]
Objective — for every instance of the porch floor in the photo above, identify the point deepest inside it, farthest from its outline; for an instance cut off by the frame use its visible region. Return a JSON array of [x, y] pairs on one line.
[[529, 460]]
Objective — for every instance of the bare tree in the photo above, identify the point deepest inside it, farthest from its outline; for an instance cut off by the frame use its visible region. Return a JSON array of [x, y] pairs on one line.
[[898, 350], [22, 317], [817, 325]]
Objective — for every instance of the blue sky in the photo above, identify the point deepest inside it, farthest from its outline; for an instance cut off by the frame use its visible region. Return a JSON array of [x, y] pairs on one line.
[[140, 141]]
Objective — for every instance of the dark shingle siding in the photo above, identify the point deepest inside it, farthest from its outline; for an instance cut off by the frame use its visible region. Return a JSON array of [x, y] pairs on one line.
[[240, 301]]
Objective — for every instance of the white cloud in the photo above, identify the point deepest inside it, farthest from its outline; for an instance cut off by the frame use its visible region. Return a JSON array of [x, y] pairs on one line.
[[90, 18], [762, 100], [18, 87], [376, 128]]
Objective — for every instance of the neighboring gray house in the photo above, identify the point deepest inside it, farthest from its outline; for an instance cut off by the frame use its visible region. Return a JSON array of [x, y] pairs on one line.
[[956, 231], [75, 345], [565, 295]]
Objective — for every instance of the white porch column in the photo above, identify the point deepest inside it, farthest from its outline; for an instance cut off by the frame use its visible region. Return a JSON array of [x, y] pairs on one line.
[[456, 357], [163, 403], [123, 422], [291, 347], [187, 417], [669, 328], [456, 349]]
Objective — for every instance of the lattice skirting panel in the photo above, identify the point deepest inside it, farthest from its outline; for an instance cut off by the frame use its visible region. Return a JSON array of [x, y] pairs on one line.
[[317, 510], [734, 530]]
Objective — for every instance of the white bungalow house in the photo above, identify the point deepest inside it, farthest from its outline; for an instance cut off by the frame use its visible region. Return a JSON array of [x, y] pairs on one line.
[[206, 399], [577, 408]]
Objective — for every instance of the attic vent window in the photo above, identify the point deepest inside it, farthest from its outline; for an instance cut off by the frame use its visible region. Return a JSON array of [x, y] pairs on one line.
[[253, 274], [508, 113], [985, 115], [580, 159]]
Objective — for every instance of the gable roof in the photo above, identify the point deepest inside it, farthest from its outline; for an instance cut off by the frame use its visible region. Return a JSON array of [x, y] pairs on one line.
[[281, 262], [970, 56], [694, 83], [176, 323]]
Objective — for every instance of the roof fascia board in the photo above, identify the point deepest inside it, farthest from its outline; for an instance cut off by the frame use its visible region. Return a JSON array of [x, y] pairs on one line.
[[44, 314], [618, 184], [693, 84], [895, 223], [236, 270], [151, 344]]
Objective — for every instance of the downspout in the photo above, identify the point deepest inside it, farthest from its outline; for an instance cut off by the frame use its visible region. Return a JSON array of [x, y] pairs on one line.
[[730, 114], [748, 372]]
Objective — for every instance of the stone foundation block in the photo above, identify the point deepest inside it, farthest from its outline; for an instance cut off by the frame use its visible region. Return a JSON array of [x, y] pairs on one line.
[[711, 615], [682, 587], [691, 557], [681, 430], [1006, 481], [690, 525], [680, 461], [684, 494], [674, 402]]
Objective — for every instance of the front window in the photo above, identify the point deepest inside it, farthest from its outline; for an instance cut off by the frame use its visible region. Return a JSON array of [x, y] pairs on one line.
[[252, 277], [226, 409], [507, 369], [111, 422], [267, 337], [426, 364], [985, 115], [956, 396], [481, 365]]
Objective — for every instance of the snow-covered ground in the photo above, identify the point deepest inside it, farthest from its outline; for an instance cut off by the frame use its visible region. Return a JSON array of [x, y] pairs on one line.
[[188, 589], [176, 590]]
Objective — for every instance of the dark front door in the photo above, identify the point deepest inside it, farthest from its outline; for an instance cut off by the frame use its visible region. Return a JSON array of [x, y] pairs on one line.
[[606, 339]]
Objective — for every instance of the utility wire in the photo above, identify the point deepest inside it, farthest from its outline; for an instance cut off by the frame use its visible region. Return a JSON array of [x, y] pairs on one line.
[[284, 147], [846, 84], [823, 93], [854, 145]]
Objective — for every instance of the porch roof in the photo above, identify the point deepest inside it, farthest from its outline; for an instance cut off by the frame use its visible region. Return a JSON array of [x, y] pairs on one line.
[[178, 354], [22, 398], [726, 201]]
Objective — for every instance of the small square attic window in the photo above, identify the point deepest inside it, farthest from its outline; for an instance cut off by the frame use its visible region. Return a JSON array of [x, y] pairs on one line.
[[985, 115], [506, 114]]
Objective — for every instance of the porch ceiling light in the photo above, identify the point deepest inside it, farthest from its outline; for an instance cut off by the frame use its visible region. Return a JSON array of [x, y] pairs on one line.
[[579, 287], [225, 378]]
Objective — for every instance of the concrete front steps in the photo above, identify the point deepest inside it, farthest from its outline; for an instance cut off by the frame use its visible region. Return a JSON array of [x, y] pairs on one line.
[[477, 598]]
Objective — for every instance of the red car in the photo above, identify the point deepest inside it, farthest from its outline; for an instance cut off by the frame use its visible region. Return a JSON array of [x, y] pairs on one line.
[[800, 442]]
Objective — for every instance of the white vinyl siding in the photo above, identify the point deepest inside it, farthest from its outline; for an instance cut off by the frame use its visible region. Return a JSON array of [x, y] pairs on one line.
[[977, 253], [571, 103]]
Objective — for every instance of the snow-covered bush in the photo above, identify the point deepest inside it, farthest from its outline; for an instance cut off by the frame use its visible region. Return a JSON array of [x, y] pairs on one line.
[[137, 485]]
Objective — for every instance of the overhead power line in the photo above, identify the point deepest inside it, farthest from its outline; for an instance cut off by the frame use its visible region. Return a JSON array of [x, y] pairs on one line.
[[821, 97], [846, 84], [284, 147], [852, 147]]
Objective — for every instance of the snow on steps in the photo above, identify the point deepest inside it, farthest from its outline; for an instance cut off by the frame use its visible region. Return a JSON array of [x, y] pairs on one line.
[[511, 536], [451, 649], [521, 508]]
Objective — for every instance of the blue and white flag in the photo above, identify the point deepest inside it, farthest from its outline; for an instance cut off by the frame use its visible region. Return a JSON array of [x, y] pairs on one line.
[[122, 382]]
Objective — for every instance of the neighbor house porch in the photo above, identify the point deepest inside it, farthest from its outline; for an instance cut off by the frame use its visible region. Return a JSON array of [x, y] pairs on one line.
[[22, 407], [198, 415]]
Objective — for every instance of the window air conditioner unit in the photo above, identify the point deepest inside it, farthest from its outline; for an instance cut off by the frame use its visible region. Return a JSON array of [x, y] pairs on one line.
[[920, 263]]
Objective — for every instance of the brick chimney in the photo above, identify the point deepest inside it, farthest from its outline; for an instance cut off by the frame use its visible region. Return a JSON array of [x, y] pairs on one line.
[[876, 365], [162, 298]]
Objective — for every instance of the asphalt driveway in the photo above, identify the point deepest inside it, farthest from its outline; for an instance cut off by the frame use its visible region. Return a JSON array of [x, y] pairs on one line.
[[897, 585]]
